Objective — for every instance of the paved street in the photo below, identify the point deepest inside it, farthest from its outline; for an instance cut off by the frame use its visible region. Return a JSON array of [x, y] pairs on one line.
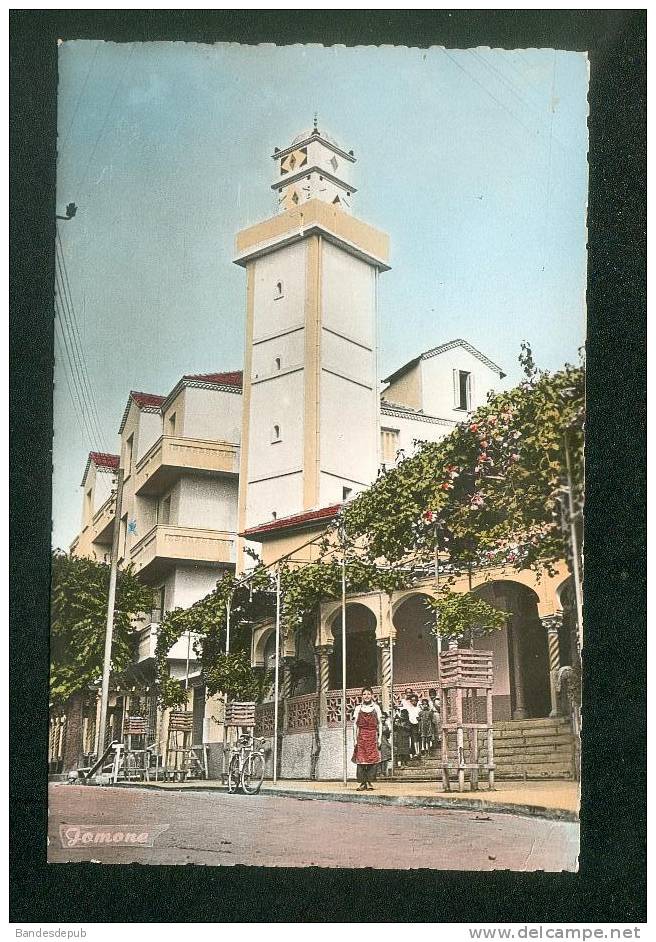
[[220, 829]]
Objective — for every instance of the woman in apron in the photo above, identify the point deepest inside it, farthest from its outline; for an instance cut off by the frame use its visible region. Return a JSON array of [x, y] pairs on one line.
[[367, 731]]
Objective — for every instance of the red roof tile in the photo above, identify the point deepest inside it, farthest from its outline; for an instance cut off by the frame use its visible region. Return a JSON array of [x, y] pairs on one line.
[[102, 460], [296, 520], [235, 378], [146, 399]]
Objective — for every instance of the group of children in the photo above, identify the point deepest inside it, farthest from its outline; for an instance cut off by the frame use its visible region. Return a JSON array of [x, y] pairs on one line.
[[416, 728]]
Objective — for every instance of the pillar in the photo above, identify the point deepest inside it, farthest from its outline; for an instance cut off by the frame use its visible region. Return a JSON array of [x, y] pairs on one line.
[[552, 624], [385, 673], [519, 711], [322, 667]]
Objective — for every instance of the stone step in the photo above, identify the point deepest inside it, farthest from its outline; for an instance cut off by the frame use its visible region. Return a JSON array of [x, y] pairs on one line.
[[530, 726], [542, 772]]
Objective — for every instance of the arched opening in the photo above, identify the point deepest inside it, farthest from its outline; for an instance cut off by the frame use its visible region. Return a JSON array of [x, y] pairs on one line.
[[361, 650], [415, 649], [521, 656]]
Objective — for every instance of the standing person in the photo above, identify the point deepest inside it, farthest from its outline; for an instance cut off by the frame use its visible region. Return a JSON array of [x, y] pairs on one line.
[[414, 710], [436, 713], [385, 749], [367, 731], [401, 736], [426, 726], [407, 696]]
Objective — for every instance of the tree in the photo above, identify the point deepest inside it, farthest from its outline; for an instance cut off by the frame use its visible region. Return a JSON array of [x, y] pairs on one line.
[[79, 589], [491, 491], [462, 615]]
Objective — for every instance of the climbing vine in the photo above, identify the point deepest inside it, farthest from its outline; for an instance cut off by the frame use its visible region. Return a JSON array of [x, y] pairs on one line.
[[463, 615]]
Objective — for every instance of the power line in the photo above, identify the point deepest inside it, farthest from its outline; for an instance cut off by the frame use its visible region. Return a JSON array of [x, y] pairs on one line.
[[79, 98], [487, 91], [76, 371], [107, 113], [74, 391], [78, 344]]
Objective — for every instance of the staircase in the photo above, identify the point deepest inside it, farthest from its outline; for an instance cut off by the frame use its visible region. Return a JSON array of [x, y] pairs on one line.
[[523, 749]]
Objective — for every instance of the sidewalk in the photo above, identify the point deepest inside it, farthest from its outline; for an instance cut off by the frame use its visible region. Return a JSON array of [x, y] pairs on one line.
[[558, 800]]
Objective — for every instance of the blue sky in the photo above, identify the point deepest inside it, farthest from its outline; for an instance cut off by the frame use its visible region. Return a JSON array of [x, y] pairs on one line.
[[474, 161]]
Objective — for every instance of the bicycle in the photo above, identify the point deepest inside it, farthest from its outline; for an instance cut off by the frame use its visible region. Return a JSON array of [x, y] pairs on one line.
[[246, 767]]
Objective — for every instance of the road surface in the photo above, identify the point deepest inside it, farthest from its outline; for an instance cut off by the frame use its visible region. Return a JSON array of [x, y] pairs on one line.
[[218, 829]]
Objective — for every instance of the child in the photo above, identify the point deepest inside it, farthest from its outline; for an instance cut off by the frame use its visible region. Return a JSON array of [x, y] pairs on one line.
[[385, 750], [426, 727], [401, 736]]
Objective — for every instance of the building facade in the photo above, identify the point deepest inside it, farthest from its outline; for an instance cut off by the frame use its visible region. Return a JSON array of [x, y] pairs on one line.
[[265, 459]]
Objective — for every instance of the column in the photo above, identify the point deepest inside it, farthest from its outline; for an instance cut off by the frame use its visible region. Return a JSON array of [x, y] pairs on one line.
[[519, 712], [551, 624], [385, 673], [322, 667]]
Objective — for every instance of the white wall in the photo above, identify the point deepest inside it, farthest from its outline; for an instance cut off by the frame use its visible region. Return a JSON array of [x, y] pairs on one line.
[[284, 495], [103, 484], [289, 348], [348, 295], [192, 583], [348, 436], [437, 382], [410, 429], [149, 430], [273, 315], [212, 415], [208, 503]]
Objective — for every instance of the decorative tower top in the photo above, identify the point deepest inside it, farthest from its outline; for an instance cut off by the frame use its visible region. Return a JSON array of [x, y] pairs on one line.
[[313, 166]]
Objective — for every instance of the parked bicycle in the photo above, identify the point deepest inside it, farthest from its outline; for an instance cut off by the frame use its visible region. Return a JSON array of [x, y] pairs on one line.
[[246, 766]]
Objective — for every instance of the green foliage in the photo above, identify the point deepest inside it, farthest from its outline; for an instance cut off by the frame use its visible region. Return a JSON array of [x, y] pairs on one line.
[[233, 675], [79, 589], [490, 491], [465, 615]]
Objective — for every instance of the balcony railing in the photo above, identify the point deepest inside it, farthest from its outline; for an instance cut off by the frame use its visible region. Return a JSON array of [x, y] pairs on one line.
[[147, 645], [168, 544], [103, 522], [170, 457]]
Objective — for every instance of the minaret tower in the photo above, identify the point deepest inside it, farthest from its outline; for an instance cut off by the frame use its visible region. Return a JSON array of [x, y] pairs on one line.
[[310, 428]]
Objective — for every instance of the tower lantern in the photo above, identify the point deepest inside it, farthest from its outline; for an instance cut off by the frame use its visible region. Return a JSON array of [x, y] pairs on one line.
[[313, 166]]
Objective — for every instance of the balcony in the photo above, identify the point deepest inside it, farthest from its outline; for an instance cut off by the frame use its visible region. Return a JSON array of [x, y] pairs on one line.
[[103, 523], [147, 644], [165, 545], [170, 457]]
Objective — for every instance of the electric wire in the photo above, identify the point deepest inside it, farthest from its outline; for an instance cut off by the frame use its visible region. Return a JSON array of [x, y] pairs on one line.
[[76, 374], [78, 350], [65, 136], [119, 83], [70, 376]]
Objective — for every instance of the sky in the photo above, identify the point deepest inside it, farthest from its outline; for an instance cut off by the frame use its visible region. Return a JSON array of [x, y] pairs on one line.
[[473, 161]]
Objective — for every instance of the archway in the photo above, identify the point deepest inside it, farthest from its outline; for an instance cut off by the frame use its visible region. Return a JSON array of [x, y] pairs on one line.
[[521, 657], [361, 650], [415, 648]]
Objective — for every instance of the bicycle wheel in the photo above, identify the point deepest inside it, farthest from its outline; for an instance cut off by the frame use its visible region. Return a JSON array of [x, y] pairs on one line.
[[252, 774], [233, 774]]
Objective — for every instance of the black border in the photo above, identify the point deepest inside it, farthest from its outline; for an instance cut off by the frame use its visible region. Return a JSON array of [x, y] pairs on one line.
[[611, 883]]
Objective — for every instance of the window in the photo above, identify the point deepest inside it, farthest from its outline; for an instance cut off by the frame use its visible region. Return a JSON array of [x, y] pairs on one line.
[[274, 515], [171, 425], [128, 456], [275, 436], [157, 614], [279, 291], [389, 444], [164, 511], [276, 363], [333, 163], [462, 389], [346, 492]]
